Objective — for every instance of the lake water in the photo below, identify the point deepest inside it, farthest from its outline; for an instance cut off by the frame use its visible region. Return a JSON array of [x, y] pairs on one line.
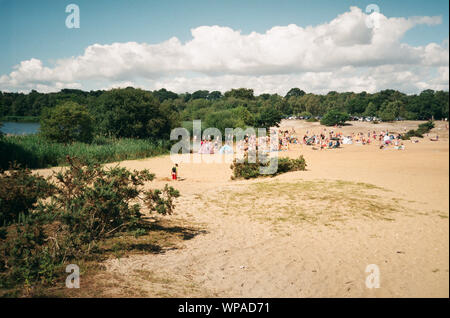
[[14, 128]]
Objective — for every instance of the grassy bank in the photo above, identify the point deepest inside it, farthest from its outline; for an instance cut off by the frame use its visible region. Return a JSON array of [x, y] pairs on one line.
[[33, 151]]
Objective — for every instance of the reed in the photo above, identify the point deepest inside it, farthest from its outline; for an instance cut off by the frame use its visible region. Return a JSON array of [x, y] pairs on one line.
[[34, 151]]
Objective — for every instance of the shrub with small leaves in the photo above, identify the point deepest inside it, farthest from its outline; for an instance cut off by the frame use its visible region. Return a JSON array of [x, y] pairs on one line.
[[19, 192], [286, 164], [24, 255], [248, 169], [422, 129], [91, 203], [85, 204]]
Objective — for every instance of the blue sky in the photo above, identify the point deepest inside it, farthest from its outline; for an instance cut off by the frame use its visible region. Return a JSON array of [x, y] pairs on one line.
[[36, 29]]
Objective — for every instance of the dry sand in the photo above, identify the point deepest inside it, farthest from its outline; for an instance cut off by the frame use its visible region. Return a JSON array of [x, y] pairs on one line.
[[310, 233]]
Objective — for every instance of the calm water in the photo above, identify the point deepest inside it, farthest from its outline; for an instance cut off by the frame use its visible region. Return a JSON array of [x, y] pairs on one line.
[[19, 128]]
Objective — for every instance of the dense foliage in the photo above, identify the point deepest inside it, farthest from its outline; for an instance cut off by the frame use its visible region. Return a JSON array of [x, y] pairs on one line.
[[19, 192], [150, 116], [334, 117], [248, 169], [133, 112], [87, 205], [420, 131], [67, 123]]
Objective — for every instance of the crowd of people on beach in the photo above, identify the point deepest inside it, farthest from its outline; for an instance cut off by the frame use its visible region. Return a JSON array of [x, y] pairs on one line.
[[250, 142], [208, 146], [325, 138], [333, 139]]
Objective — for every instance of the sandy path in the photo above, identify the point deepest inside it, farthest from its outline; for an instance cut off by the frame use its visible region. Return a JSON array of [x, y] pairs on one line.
[[242, 256]]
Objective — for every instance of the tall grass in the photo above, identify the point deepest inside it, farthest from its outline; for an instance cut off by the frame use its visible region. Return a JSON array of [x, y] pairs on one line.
[[34, 151]]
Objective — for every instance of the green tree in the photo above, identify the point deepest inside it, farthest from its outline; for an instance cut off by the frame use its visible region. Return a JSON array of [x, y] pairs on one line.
[[334, 117], [67, 123], [306, 114], [269, 117], [371, 110], [223, 119], [264, 96], [297, 92], [133, 113], [202, 94], [242, 93], [164, 94], [389, 110], [214, 95], [356, 106], [243, 114], [442, 99]]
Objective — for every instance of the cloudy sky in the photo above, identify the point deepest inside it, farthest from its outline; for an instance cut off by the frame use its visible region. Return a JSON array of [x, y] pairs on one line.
[[270, 46]]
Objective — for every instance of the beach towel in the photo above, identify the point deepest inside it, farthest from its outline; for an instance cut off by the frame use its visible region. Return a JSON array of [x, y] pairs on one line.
[[347, 141], [226, 150]]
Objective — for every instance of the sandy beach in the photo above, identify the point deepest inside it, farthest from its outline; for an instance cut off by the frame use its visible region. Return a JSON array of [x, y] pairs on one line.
[[308, 233]]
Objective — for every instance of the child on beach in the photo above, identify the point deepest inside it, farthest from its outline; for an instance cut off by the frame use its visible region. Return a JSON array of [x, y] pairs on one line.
[[174, 172]]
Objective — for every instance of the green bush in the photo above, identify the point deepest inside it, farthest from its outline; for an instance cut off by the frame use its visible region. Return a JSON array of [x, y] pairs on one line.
[[87, 205], [420, 131], [25, 257], [411, 133], [245, 169], [305, 114], [286, 164], [248, 170], [426, 127], [91, 203], [19, 192]]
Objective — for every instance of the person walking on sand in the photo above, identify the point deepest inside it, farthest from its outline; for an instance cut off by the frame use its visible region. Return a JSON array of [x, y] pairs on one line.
[[175, 172]]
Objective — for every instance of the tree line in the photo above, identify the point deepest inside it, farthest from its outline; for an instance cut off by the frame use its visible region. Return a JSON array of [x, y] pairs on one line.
[[137, 113]]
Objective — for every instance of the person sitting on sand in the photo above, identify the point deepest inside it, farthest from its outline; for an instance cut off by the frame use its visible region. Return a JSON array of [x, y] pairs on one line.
[[435, 139]]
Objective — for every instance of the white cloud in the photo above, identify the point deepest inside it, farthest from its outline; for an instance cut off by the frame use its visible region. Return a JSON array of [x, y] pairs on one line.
[[343, 54]]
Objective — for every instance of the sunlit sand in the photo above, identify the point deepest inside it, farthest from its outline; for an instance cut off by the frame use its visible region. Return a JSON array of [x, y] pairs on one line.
[[308, 233]]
